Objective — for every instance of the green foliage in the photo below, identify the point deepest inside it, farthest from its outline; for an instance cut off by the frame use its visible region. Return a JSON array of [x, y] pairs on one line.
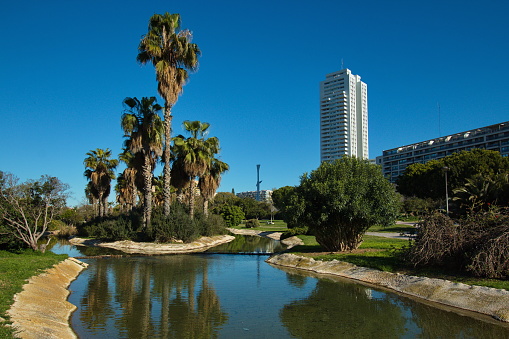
[[428, 180], [112, 228], [343, 199], [211, 225], [254, 209], [290, 204], [414, 206], [294, 231], [177, 226], [232, 215], [251, 223]]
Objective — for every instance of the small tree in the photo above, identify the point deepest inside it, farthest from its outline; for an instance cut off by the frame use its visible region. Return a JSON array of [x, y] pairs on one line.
[[232, 215], [290, 204], [343, 199], [29, 208]]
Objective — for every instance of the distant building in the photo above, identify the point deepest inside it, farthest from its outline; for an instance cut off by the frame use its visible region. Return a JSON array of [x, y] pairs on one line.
[[265, 195], [394, 161], [343, 116]]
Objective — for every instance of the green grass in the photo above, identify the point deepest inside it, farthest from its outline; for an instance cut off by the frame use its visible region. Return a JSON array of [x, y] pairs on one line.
[[278, 226], [385, 256], [392, 229], [15, 269]]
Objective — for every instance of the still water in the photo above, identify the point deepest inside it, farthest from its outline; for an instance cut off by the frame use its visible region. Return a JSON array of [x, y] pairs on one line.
[[241, 296]]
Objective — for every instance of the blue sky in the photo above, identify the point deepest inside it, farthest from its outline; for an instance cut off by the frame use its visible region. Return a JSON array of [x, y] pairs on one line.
[[66, 66]]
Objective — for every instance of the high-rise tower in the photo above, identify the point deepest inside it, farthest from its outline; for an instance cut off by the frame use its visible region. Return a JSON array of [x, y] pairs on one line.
[[343, 116]]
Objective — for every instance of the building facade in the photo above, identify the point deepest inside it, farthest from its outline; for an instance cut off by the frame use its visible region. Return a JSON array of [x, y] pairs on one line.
[[265, 195], [343, 116], [394, 161]]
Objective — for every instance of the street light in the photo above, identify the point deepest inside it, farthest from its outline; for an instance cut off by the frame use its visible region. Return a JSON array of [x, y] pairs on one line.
[[445, 169]]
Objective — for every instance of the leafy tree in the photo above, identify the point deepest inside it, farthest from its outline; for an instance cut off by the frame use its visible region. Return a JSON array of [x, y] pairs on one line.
[[479, 192], [232, 215], [225, 198], [343, 199], [428, 180], [171, 52], [99, 171], [254, 209], [144, 129], [290, 204], [29, 208]]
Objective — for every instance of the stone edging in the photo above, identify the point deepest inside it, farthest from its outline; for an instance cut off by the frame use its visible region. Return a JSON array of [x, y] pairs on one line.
[[490, 301], [132, 247], [41, 310]]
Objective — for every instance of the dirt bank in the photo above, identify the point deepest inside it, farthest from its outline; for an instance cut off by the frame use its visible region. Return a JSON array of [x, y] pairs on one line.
[[41, 310], [132, 247], [485, 300]]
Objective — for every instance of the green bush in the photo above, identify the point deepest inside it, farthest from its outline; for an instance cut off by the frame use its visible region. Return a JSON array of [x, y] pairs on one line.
[[177, 226], [121, 227], [294, 231], [251, 223], [211, 225], [232, 215]]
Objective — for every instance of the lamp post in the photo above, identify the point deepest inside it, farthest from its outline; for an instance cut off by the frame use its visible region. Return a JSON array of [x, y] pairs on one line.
[[445, 169]]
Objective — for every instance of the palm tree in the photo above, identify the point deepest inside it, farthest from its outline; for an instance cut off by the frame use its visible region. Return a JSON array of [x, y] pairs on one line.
[[210, 180], [144, 129], [195, 154], [171, 52], [99, 171], [127, 181]]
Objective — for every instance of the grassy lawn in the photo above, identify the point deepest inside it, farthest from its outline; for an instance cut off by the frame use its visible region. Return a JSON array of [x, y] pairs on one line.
[[15, 269], [383, 254], [278, 226], [393, 229]]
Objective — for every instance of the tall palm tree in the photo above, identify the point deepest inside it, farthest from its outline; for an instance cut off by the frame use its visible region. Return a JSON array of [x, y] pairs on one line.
[[143, 127], [210, 180], [171, 52], [195, 154], [99, 171]]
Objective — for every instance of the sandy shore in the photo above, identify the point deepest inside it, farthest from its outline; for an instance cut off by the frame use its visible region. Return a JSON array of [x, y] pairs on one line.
[[41, 310], [489, 301]]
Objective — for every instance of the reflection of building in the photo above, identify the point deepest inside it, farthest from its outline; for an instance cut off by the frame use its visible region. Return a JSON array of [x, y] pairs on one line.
[[343, 116], [265, 195], [395, 160]]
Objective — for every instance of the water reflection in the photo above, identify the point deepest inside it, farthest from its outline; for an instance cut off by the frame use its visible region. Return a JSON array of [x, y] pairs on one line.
[[146, 297], [249, 244]]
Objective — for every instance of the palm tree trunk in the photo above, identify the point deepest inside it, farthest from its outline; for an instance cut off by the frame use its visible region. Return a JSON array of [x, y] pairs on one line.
[[206, 207], [191, 199], [167, 168], [147, 180]]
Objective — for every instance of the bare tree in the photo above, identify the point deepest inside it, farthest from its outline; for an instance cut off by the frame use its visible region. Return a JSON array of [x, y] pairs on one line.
[[29, 208]]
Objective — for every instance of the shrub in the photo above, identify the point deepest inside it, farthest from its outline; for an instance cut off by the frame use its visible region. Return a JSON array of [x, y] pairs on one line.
[[251, 223], [478, 243], [177, 226], [343, 199], [211, 225], [232, 215], [294, 231], [111, 228]]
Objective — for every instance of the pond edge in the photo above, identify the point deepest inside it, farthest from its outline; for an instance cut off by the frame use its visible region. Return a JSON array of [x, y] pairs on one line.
[[41, 310], [486, 300]]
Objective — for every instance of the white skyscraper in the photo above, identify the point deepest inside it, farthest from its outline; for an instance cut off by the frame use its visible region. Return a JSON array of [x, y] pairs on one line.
[[343, 116]]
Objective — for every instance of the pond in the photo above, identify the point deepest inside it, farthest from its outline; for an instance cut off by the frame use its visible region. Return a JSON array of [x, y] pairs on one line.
[[240, 296]]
